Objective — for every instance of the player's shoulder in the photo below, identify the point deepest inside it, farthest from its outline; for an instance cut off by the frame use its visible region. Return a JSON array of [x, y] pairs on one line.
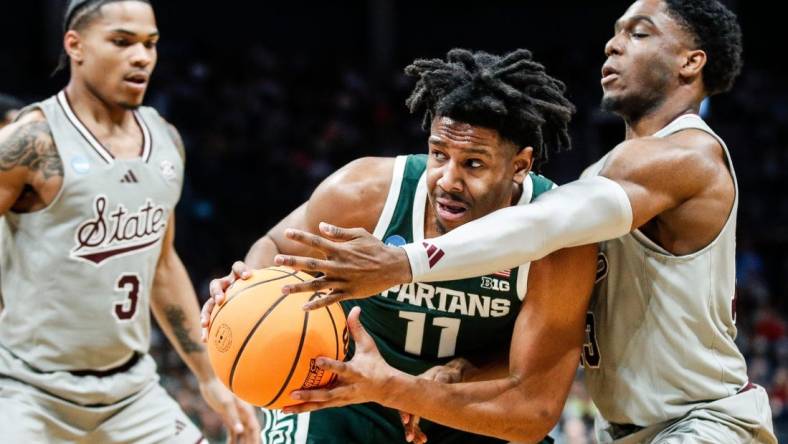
[[28, 127], [365, 173], [689, 149], [29, 115], [355, 192], [697, 141]]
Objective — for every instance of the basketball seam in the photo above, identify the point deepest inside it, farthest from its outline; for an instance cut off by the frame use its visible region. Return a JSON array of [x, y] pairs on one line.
[[248, 336], [293, 273], [259, 321], [296, 358]]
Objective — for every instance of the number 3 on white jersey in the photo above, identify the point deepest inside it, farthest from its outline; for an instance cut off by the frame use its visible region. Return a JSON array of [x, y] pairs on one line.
[[128, 283]]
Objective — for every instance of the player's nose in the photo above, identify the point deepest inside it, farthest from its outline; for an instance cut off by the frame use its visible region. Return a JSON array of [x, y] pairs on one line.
[[451, 177], [141, 56], [614, 46]]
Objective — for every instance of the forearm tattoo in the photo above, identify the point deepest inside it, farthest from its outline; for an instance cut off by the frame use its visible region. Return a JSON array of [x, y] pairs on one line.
[[31, 146], [176, 317]]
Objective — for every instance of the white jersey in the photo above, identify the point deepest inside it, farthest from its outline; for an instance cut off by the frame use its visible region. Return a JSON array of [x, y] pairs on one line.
[[661, 327], [76, 276]]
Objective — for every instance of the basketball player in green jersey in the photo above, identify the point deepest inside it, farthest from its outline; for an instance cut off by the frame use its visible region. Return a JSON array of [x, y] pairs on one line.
[[88, 184], [490, 118]]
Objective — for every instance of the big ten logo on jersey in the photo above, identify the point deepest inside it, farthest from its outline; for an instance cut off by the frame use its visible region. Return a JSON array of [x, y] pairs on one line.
[[111, 233], [491, 283], [448, 300]]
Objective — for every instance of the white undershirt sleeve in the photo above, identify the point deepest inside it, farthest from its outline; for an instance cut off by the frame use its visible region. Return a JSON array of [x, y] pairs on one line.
[[585, 211]]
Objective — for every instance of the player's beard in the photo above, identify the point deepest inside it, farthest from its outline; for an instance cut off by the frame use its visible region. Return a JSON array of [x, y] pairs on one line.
[[632, 107], [438, 225]]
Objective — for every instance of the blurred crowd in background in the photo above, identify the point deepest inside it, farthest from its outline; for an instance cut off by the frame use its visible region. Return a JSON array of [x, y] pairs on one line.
[[265, 118]]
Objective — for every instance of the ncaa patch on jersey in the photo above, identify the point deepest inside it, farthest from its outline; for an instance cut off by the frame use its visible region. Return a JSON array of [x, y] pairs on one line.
[[80, 164], [396, 240], [168, 170]]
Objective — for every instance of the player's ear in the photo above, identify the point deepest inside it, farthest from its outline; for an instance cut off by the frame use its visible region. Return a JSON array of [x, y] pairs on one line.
[[523, 161], [72, 43], [694, 61]]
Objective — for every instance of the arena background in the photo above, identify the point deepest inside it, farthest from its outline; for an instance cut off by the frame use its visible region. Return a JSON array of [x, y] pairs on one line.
[[271, 98]]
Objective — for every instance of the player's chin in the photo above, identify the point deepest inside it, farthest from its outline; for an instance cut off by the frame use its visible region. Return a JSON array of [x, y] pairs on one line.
[[132, 95], [611, 101], [130, 104]]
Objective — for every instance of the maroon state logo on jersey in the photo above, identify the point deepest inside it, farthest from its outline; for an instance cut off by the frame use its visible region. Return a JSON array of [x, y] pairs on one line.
[[118, 232]]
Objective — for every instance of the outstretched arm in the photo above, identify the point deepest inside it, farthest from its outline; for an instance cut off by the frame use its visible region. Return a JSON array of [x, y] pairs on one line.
[[358, 265], [642, 179], [521, 406]]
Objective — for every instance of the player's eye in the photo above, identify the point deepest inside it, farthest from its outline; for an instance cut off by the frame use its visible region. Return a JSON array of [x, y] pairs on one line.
[[474, 163], [437, 155], [120, 42], [150, 44]]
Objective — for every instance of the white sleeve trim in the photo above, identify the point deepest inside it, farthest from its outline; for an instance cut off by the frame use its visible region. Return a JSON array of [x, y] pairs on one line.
[[522, 280], [391, 199]]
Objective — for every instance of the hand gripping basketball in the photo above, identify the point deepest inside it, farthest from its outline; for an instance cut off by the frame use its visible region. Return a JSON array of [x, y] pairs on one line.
[[217, 289], [366, 377], [262, 345]]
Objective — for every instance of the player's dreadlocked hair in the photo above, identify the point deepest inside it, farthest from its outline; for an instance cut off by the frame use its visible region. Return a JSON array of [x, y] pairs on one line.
[[511, 94], [717, 32], [78, 14]]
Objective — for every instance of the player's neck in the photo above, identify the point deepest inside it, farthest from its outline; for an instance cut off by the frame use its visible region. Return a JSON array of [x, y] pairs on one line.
[[94, 111], [654, 120]]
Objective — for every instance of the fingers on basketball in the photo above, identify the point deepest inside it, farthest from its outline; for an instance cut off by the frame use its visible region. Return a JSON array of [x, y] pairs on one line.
[[263, 346]]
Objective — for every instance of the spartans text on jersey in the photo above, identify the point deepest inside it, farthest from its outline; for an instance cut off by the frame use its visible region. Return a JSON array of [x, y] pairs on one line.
[[448, 300]]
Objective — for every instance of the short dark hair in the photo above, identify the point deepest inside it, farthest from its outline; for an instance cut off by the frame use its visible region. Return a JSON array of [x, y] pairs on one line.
[[77, 15], [511, 94], [716, 31]]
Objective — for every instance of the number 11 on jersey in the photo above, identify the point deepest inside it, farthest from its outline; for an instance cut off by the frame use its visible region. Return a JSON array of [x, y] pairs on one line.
[[414, 335]]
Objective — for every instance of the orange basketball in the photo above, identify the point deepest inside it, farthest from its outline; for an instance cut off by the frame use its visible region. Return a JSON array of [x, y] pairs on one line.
[[262, 345]]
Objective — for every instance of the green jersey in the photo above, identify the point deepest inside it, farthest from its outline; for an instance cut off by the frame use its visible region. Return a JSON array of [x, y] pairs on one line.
[[418, 326]]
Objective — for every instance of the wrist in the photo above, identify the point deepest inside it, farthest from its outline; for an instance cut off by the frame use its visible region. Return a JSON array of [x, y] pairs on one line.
[[395, 389], [411, 262], [207, 379]]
